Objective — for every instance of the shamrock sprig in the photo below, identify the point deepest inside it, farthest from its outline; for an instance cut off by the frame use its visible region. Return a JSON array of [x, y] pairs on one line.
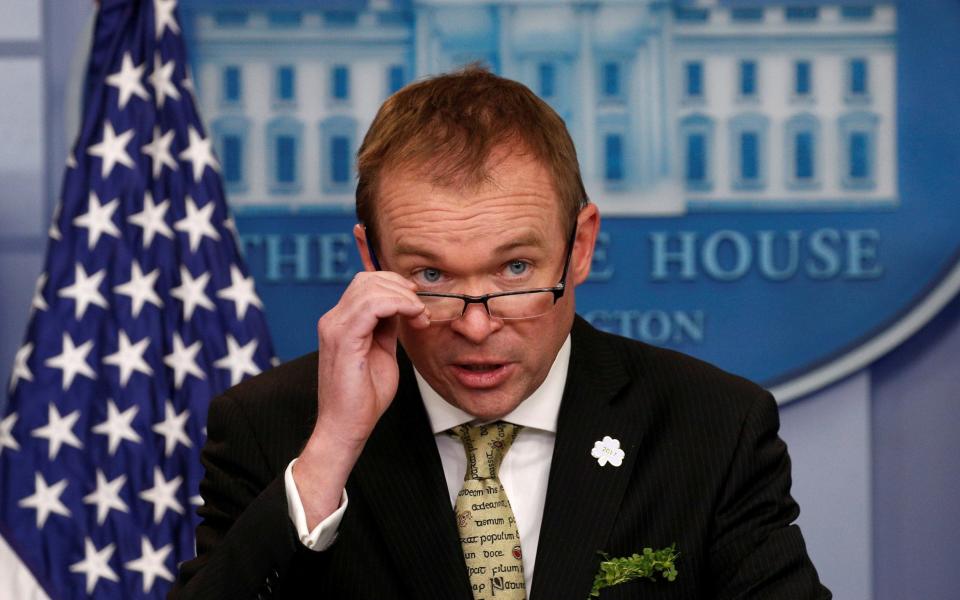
[[618, 570]]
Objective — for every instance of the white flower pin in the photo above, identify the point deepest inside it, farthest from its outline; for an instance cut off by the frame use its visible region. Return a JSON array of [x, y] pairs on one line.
[[608, 451]]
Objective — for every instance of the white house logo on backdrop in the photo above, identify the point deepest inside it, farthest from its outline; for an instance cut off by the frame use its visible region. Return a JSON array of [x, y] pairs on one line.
[[701, 107], [756, 139]]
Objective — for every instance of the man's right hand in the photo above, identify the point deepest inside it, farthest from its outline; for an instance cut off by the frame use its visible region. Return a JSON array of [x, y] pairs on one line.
[[357, 379]]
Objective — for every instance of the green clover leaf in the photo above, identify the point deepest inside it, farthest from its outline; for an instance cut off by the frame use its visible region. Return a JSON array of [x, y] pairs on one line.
[[618, 570]]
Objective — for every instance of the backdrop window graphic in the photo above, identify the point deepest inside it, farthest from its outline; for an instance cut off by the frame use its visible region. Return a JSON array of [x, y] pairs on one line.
[[144, 311], [764, 169]]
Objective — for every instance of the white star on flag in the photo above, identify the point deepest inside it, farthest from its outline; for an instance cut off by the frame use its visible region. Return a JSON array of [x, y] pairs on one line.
[[200, 154], [118, 426], [107, 496], [162, 495], [38, 302], [129, 358], [58, 431], [45, 499], [112, 149], [72, 360], [95, 564], [20, 368], [54, 231], [152, 219], [162, 80], [140, 289], [173, 429], [159, 151], [71, 161], [164, 18], [127, 81], [240, 292], [6, 432], [187, 81], [85, 290], [238, 360], [98, 220], [183, 361], [151, 563], [191, 292], [230, 225], [197, 223]]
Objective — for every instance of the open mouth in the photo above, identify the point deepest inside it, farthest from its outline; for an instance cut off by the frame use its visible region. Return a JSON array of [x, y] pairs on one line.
[[481, 375], [481, 368]]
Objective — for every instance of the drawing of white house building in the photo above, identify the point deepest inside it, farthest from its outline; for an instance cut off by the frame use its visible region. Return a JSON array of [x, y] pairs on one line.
[[785, 106], [675, 107]]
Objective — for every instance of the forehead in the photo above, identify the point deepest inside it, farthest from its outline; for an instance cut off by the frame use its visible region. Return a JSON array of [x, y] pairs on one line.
[[516, 199]]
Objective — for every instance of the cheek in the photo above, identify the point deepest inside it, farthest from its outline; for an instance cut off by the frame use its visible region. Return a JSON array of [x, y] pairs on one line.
[[560, 318]]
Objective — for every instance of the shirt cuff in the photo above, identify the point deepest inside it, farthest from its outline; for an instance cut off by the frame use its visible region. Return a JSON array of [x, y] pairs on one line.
[[324, 534]]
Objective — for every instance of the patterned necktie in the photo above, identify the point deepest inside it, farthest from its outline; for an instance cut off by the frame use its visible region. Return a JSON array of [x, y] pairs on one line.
[[488, 529]]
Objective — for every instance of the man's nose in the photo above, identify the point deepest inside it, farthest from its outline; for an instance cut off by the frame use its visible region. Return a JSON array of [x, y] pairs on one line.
[[475, 324]]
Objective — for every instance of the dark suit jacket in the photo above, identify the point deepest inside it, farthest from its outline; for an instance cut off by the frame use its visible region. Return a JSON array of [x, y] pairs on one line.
[[704, 469]]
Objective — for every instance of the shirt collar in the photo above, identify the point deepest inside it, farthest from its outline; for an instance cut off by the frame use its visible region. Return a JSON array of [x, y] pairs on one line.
[[539, 410]]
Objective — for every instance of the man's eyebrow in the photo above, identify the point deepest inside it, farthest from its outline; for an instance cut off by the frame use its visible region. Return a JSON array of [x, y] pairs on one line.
[[404, 249], [525, 241]]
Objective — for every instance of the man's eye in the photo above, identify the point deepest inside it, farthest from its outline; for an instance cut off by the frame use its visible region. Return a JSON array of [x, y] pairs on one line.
[[518, 267], [430, 275]]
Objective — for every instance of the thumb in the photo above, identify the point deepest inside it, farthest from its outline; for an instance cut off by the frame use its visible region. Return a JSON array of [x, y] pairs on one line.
[[385, 335]]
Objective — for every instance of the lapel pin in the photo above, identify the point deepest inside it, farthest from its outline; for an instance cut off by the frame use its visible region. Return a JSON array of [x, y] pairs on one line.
[[608, 450]]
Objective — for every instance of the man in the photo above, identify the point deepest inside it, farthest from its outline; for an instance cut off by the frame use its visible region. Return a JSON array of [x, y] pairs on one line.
[[354, 472]]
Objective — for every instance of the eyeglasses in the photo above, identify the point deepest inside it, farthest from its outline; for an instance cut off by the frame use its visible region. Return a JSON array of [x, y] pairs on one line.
[[508, 305]]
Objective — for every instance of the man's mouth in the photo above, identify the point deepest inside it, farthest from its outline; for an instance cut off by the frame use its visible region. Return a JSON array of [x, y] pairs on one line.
[[481, 375], [481, 368]]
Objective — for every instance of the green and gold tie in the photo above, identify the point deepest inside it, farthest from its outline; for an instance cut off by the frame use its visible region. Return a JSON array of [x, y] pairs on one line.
[[488, 529]]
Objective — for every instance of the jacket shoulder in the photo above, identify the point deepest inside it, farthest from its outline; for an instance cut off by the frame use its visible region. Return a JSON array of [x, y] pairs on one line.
[[292, 380], [676, 378], [276, 408]]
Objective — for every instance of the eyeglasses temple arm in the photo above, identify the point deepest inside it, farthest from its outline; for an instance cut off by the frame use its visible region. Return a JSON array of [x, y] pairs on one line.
[[566, 263], [372, 252]]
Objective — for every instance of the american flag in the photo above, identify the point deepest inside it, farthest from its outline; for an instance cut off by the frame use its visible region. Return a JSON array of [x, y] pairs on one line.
[[143, 312]]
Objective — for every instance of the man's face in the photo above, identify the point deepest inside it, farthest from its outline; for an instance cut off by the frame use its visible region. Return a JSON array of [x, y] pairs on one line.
[[475, 242]]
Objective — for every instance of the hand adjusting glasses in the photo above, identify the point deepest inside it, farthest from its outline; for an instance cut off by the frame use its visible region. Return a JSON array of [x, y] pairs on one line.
[[506, 305]]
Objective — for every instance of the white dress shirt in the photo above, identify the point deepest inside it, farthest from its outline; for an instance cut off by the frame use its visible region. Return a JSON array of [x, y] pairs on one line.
[[523, 473]]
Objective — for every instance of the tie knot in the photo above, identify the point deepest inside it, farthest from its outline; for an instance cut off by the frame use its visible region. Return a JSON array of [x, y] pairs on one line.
[[485, 446]]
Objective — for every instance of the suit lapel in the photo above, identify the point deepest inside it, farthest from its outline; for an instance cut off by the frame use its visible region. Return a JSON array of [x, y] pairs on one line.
[[584, 498], [402, 479]]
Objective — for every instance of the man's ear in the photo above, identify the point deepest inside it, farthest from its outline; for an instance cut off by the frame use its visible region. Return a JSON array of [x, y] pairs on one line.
[[588, 225], [360, 237]]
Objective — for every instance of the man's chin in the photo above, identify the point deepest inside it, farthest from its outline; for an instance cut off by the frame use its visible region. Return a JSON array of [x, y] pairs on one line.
[[489, 405]]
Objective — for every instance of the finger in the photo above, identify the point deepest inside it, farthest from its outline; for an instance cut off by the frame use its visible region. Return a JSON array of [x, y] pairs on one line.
[[417, 314], [356, 321], [387, 286], [363, 277], [385, 335], [367, 287], [421, 321]]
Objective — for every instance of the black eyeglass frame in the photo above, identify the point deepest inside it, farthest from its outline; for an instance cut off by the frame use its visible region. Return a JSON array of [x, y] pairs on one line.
[[556, 290]]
